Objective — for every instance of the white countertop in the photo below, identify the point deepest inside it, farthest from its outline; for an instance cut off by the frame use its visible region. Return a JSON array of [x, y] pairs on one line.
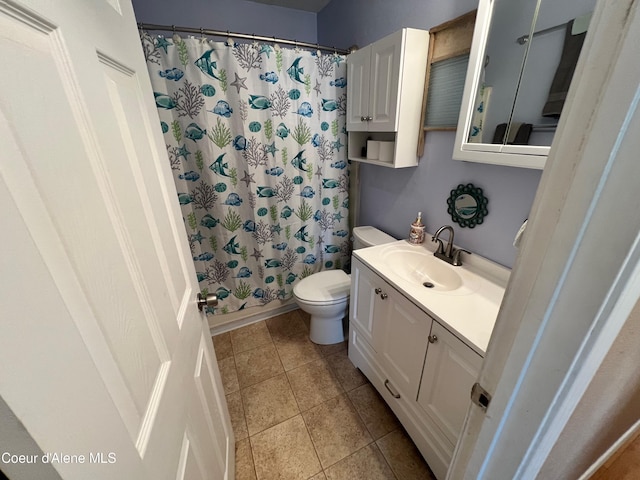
[[468, 312]]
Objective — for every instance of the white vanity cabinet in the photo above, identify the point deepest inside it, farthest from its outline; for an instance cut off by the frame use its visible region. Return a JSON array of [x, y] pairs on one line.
[[421, 370], [384, 94]]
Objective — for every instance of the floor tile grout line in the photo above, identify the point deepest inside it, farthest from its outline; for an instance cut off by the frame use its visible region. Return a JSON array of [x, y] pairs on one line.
[[384, 456], [315, 450], [332, 371]]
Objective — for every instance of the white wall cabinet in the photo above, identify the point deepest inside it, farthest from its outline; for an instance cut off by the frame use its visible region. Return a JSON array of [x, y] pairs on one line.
[[422, 371], [510, 78], [384, 96]]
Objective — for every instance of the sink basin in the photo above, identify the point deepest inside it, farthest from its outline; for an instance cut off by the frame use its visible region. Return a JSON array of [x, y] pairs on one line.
[[424, 268]]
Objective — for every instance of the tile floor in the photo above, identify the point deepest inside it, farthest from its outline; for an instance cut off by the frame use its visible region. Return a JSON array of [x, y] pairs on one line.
[[303, 411]]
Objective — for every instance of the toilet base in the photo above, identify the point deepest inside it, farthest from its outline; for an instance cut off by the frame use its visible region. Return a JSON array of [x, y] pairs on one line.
[[327, 330]]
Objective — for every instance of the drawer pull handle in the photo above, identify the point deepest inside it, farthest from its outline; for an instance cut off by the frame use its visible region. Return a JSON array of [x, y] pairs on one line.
[[433, 338], [394, 394]]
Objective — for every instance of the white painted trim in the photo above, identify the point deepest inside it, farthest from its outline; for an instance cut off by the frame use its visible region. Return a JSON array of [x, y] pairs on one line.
[[613, 313], [626, 436], [573, 283], [253, 315]]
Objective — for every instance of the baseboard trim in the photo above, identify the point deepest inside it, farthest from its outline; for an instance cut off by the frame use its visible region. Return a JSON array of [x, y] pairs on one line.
[[626, 438], [247, 317]]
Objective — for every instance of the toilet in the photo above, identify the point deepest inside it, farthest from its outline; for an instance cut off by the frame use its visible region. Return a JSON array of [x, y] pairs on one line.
[[325, 295]]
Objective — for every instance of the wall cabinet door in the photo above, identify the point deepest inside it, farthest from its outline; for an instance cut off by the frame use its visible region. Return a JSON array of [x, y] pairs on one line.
[[359, 69], [450, 370], [385, 78]]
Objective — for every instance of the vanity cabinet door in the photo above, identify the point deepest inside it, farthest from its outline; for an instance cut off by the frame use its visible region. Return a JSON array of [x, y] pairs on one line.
[[365, 288], [402, 344], [450, 370]]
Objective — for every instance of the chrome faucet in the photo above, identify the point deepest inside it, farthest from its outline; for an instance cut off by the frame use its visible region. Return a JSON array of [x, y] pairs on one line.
[[449, 254]]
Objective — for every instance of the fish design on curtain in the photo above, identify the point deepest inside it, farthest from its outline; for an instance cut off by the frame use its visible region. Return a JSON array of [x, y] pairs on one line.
[[256, 138]]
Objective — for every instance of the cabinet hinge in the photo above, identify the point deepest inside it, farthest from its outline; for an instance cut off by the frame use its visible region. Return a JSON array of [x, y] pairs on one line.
[[480, 396]]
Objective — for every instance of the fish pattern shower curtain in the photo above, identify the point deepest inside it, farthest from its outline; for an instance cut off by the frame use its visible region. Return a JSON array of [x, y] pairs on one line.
[[256, 138]]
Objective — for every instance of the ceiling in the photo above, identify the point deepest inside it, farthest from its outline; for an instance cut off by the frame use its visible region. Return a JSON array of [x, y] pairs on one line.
[[307, 5]]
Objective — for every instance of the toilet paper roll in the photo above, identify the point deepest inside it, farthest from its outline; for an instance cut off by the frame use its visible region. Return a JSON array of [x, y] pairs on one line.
[[373, 149], [386, 152]]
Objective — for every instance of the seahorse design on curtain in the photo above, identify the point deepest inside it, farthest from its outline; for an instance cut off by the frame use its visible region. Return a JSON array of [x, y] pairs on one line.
[[256, 138]]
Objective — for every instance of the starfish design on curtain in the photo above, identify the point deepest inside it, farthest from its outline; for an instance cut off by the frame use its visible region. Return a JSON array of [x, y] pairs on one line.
[[239, 82], [248, 178]]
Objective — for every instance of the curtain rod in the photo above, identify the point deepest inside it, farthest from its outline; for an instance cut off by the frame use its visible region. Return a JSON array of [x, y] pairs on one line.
[[220, 33]]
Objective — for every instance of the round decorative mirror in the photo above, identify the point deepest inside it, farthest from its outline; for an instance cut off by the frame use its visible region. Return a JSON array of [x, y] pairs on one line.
[[467, 205]]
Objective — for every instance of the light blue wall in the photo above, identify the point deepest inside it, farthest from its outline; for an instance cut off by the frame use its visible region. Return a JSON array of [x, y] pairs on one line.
[[233, 15], [391, 198]]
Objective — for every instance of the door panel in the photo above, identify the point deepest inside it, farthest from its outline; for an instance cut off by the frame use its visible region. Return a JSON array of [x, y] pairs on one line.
[[385, 75], [85, 177], [403, 342]]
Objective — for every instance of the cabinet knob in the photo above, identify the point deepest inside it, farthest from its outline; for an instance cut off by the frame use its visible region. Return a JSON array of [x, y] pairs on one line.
[[369, 119], [383, 296], [433, 338], [363, 119], [378, 291]]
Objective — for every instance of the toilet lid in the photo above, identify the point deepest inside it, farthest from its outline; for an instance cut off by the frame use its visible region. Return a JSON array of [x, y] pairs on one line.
[[323, 287]]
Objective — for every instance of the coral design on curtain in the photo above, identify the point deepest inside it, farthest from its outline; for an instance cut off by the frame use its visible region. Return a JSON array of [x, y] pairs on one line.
[[256, 139]]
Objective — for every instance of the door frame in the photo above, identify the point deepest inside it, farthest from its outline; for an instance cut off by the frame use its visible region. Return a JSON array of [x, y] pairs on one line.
[[577, 275]]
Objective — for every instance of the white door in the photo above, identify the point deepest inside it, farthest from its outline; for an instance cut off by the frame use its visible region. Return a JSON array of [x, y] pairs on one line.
[[103, 354]]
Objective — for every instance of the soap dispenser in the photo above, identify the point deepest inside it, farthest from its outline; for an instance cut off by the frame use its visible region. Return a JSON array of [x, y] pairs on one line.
[[416, 234]]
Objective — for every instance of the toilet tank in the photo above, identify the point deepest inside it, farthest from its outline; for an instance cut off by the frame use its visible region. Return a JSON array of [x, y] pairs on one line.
[[369, 236]]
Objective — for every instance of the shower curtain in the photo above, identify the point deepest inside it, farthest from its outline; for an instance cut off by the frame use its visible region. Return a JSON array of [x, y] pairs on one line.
[[256, 139]]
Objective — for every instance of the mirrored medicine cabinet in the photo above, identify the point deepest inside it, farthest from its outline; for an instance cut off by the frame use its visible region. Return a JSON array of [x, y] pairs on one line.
[[521, 63]]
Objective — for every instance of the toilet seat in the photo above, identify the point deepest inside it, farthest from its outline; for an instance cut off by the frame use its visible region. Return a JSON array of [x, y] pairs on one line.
[[327, 287]]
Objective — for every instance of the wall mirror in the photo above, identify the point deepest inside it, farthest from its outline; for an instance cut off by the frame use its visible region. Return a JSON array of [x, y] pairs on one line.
[[521, 65], [467, 205]]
